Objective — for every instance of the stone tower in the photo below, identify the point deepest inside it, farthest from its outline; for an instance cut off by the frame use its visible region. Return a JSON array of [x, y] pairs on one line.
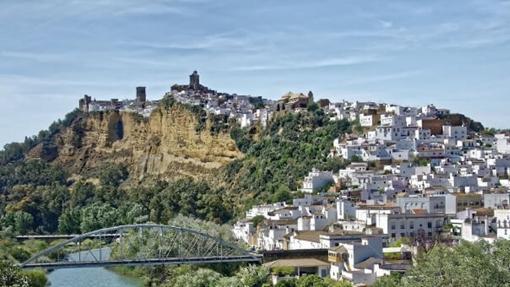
[[310, 97], [141, 96], [194, 81], [83, 104]]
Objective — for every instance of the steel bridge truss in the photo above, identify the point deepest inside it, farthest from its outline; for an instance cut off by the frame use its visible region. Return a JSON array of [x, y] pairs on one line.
[[139, 244]]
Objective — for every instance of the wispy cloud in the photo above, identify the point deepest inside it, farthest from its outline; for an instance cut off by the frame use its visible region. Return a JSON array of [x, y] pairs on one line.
[[386, 24], [23, 80], [381, 78], [229, 40], [33, 56], [153, 9], [321, 63]]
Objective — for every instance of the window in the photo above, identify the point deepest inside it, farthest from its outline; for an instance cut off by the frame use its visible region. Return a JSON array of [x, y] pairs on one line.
[[402, 235], [429, 224], [393, 235], [393, 227]]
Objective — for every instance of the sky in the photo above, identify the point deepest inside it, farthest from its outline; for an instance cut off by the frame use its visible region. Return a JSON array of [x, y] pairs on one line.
[[452, 53]]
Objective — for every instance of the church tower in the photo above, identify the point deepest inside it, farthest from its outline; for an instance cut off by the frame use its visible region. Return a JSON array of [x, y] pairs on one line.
[[141, 96], [310, 97], [194, 81]]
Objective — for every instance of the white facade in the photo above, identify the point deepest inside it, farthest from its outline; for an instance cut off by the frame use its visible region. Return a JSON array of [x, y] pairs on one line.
[[263, 210], [496, 200], [433, 204], [503, 143], [503, 223], [393, 120], [368, 214], [345, 209], [410, 225], [359, 261], [455, 132], [244, 230], [317, 179], [367, 120]]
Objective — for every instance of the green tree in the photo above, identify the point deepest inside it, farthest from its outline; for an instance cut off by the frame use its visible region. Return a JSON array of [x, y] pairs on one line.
[[11, 276], [282, 194], [228, 282], [23, 222], [97, 216], [253, 276], [36, 278], [310, 281], [198, 278], [287, 283], [69, 222], [20, 254], [392, 280], [82, 194], [113, 175], [468, 264]]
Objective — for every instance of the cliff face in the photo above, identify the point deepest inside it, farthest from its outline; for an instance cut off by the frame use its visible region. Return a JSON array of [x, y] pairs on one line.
[[164, 146]]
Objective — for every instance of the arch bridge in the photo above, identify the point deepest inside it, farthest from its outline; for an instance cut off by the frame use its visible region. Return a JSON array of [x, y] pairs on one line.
[[140, 244]]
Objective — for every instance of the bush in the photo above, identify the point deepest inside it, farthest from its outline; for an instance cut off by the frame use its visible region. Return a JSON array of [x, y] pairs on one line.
[[12, 276], [20, 254], [283, 271], [36, 278]]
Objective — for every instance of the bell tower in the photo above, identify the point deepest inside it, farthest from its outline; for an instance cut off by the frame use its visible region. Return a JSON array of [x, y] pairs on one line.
[[194, 81]]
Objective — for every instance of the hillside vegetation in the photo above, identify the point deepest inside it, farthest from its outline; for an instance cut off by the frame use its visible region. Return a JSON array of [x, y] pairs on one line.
[[278, 158]]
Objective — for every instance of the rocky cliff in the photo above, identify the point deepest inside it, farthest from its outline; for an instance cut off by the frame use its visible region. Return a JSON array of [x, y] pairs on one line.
[[165, 145]]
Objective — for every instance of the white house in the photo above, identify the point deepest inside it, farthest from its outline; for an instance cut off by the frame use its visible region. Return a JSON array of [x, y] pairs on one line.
[[368, 213], [432, 204], [426, 225], [271, 234], [474, 225], [496, 200], [317, 179], [368, 120], [503, 143], [346, 209], [317, 217], [356, 261], [263, 210], [503, 223], [246, 120], [393, 120], [245, 230], [455, 132], [407, 170]]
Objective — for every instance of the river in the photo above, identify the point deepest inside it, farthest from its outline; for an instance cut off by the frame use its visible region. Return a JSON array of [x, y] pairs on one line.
[[90, 277]]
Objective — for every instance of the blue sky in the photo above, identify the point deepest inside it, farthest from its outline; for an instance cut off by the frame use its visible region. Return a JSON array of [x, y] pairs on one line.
[[453, 53]]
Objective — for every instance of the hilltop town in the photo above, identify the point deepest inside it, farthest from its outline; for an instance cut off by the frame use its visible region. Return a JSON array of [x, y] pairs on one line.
[[411, 177], [245, 109]]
